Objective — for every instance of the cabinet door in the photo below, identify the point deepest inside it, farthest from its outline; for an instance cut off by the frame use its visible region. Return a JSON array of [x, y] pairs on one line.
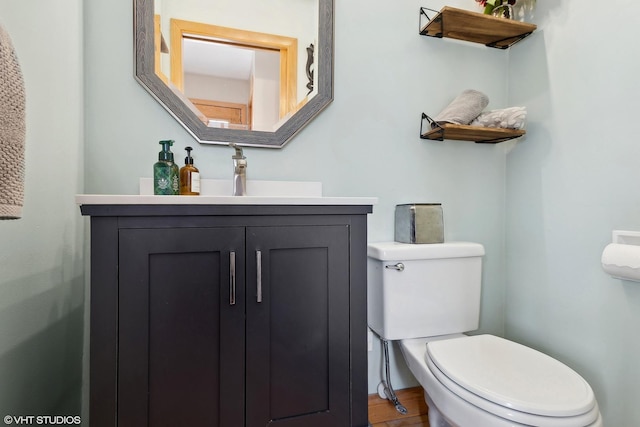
[[180, 331], [298, 326]]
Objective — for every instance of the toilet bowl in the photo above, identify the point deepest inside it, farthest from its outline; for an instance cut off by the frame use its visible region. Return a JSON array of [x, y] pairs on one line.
[[510, 385], [427, 297]]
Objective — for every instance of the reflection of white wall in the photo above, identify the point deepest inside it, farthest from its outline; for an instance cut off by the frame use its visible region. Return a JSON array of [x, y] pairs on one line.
[[266, 90], [216, 88], [266, 87]]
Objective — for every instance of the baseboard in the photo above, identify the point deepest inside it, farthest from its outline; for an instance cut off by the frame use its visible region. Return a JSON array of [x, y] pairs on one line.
[[381, 410]]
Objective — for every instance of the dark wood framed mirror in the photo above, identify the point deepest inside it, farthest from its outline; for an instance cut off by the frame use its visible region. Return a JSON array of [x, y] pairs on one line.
[[293, 112]]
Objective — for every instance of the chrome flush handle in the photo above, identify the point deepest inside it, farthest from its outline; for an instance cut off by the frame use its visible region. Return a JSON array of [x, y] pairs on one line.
[[399, 266]]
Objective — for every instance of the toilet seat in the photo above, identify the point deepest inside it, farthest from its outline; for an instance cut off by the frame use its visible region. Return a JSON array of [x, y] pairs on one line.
[[512, 381]]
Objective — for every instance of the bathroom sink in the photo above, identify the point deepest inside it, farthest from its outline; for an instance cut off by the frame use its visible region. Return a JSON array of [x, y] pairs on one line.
[[218, 192], [224, 188]]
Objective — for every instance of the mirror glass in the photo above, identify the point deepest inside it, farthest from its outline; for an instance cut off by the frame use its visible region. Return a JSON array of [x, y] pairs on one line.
[[244, 71]]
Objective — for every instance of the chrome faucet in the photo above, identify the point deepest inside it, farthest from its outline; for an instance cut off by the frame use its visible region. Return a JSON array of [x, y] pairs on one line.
[[239, 172]]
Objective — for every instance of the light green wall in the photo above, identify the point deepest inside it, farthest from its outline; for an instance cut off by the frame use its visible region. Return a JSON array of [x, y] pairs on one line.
[[41, 255], [572, 182]]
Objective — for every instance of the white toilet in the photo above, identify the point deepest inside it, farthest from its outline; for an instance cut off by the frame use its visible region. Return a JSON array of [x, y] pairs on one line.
[[426, 296]]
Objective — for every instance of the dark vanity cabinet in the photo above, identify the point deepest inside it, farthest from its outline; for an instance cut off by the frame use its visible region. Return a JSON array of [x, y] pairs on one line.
[[230, 316]]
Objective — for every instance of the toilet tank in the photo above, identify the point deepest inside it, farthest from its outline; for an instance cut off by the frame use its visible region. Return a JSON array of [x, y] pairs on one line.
[[423, 290]]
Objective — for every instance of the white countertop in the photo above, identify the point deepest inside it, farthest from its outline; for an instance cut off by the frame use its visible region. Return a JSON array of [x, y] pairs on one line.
[[217, 192], [133, 199]]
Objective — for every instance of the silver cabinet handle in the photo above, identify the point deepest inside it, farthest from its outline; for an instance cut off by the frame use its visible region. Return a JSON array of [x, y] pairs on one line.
[[232, 278], [399, 266], [259, 276]]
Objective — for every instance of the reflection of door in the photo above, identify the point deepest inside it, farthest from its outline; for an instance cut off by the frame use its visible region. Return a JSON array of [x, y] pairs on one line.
[[286, 47], [223, 111]]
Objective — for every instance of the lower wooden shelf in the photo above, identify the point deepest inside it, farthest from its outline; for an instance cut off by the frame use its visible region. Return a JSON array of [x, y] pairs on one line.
[[479, 134]]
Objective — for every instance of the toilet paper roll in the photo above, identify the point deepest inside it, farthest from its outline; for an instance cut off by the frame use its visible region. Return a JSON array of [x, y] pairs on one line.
[[622, 261]]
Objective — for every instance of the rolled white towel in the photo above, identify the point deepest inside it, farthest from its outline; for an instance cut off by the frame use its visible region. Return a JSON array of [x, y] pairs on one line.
[[464, 108], [506, 118]]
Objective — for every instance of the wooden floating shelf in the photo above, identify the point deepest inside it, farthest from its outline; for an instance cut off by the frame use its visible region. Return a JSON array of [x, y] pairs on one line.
[[477, 134], [476, 27]]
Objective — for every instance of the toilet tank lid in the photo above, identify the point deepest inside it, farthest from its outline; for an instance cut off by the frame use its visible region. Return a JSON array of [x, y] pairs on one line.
[[395, 251]]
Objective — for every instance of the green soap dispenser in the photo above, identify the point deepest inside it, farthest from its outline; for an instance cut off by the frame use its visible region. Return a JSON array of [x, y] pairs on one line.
[[166, 175]]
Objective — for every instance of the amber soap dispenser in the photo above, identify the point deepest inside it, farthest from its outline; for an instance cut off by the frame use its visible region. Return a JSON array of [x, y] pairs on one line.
[[189, 177]]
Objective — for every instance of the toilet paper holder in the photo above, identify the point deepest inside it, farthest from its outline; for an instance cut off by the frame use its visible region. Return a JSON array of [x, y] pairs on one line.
[[621, 258], [626, 237]]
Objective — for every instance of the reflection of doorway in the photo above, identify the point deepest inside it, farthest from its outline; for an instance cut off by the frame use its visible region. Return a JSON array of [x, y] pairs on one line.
[[285, 63]]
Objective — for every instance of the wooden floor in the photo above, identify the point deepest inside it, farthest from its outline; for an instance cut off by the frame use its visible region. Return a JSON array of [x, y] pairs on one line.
[[419, 421], [382, 413]]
